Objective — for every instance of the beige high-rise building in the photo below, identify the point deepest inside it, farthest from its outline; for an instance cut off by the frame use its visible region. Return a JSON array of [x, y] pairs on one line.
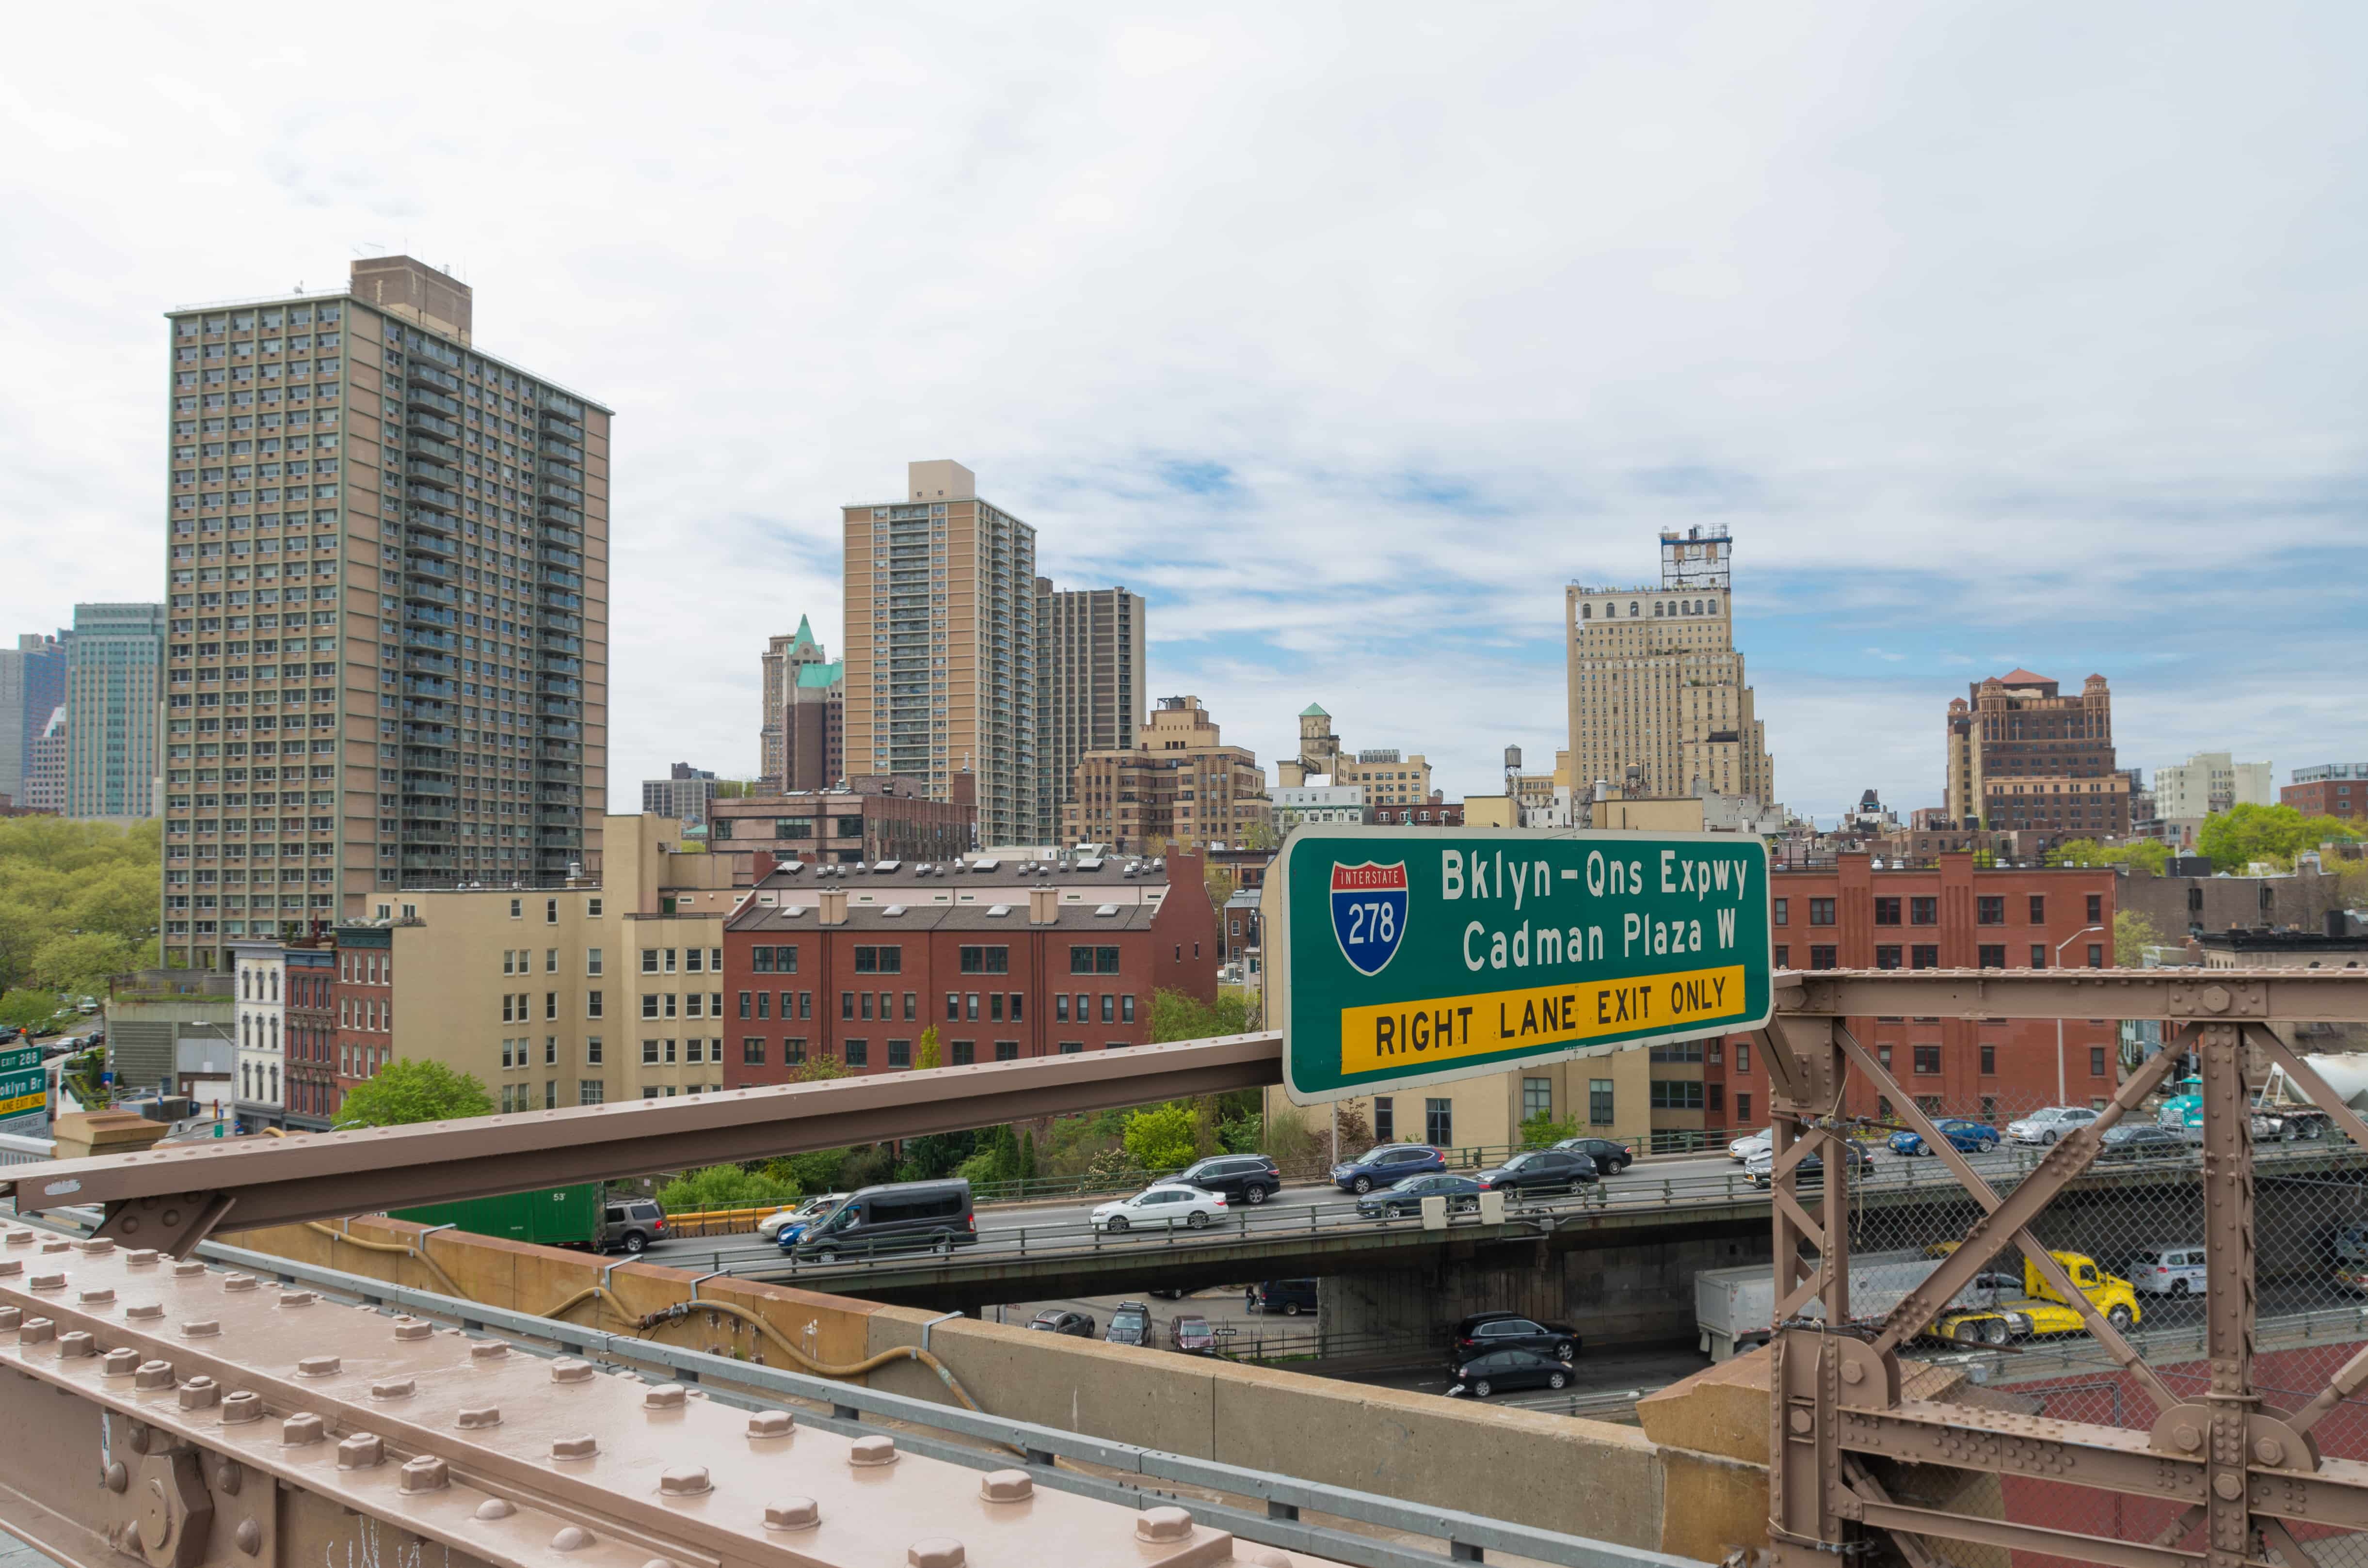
[[804, 737], [1179, 788], [1656, 682], [387, 648], [1089, 684], [941, 646], [1388, 777]]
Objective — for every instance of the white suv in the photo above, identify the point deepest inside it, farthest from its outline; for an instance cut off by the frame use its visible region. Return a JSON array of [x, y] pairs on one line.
[[2048, 1126]]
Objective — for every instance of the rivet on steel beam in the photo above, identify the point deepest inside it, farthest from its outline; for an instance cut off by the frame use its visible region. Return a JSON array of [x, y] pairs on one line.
[[412, 1328], [238, 1282], [302, 1428], [75, 1345], [97, 1246], [1269, 1558], [120, 1363], [663, 1396], [475, 1415], [496, 1508], [1006, 1486], [320, 1367], [575, 1448], [425, 1472], [297, 1297], [230, 1478], [871, 1450], [57, 1246], [201, 1328], [771, 1423], [10, 1317], [393, 1388], [49, 1282], [20, 1238], [685, 1480], [140, 1258], [937, 1552], [573, 1537], [1162, 1524], [142, 1310], [243, 1405], [113, 1476], [189, 1271], [793, 1514], [11, 1266], [361, 1451], [197, 1393], [570, 1369], [2229, 1485], [488, 1350], [248, 1537], [2269, 1450], [152, 1375]]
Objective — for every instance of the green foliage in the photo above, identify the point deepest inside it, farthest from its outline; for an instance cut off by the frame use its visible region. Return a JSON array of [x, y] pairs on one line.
[[26, 1008], [817, 1069], [1028, 1158], [78, 900], [2144, 854], [1291, 1145], [935, 1155], [929, 1054], [727, 1187], [816, 1170], [1241, 1134], [2242, 835], [2132, 933], [1175, 1015], [413, 1090], [1539, 1130], [867, 1165], [1164, 1138]]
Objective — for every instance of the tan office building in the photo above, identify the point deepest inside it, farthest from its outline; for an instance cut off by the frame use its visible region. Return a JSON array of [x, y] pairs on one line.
[[1089, 684], [1182, 790], [941, 658], [571, 995], [2023, 756], [1656, 683], [1388, 778], [386, 650]]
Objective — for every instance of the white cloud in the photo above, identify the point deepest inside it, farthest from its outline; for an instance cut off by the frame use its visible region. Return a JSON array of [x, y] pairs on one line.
[[1974, 324]]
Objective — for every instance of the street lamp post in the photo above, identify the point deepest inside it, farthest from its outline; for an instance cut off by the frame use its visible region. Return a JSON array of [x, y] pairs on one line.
[[2084, 931]]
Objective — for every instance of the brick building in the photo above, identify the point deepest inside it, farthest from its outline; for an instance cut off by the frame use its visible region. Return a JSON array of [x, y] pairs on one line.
[[876, 818], [1952, 916], [365, 1002], [1437, 812], [1180, 788], [1005, 959], [2331, 789], [2021, 755], [313, 1094]]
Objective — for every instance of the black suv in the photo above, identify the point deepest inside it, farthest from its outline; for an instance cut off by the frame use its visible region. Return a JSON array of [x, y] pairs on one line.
[[1539, 1170], [1250, 1177], [1609, 1158], [1484, 1331], [1130, 1323]]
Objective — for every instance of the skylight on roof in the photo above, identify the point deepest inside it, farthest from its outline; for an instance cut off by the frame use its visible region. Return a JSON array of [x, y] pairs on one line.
[[892, 910], [998, 911], [882, 868], [984, 865], [1105, 910]]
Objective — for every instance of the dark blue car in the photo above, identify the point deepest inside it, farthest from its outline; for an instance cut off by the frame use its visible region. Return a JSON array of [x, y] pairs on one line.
[[1385, 1165], [1968, 1137]]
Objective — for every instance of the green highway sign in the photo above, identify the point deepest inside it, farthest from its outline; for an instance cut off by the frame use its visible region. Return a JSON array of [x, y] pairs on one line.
[[1403, 956], [23, 1084]]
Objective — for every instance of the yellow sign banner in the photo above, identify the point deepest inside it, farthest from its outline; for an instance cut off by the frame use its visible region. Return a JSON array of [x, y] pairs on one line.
[[1390, 1039], [23, 1103]]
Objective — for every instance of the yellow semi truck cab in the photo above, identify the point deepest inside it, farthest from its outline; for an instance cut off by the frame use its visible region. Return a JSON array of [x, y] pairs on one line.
[[2039, 1309]]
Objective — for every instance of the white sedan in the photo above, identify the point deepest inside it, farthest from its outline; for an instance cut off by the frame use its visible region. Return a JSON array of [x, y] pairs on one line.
[[1169, 1206], [769, 1227], [1749, 1145]]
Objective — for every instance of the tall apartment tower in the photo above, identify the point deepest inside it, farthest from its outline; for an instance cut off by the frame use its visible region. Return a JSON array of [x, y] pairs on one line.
[[32, 685], [45, 766], [941, 646], [1656, 683], [112, 693], [2022, 755], [1089, 686], [804, 741], [388, 559]]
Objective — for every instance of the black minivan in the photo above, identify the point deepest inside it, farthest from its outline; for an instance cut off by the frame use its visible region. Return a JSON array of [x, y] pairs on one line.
[[897, 1216]]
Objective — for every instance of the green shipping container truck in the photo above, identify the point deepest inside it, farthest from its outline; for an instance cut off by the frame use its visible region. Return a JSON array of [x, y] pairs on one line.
[[557, 1216]]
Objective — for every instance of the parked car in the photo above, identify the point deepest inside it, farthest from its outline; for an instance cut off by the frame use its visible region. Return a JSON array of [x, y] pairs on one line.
[[1060, 1319], [1967, 1137], [1483, 1375], [1462, 1193], [1751, 1143], [797, 1216], [1243, 1178], [2349, 1243], [2046, 1125], [1191, 1333], [892, 1217], [631, 1224], [1165, 1205], [1609, 1158], [1289, 1297], [1539, 1171], [1386, 1164], [2138, 1141], [1760, 1169], [1130, 1323], [2166, 1271], [1485, 1332]]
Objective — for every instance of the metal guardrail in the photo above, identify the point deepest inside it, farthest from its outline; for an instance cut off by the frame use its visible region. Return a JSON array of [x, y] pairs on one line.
[[19, 1150]]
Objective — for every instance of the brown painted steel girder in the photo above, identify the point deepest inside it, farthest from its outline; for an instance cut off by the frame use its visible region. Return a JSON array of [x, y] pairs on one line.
[[2188, 995]]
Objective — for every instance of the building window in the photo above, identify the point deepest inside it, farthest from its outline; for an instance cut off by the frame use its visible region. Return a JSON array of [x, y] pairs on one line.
[[879, 961], [2039, 955], [1928, 1059], [1822, 956], [1993, 955], [1924, 956], [2039, 909], [1784, 909], [1989, 1059], [1886, 958], [592, 1003], [989, 960], [1715, 1097], [2096, 1061], [1006, 1050], [752, 1051], [1439, 1122], [1059, 1006], [1743, 1110], [1783, 957], [1125, 1008], [900, 1053], [1093, 961], [858, 1052], [2096, 955], [1886, 912], [793, 1052], [649, 1053], [648, 961], [1990, 911], [1385, 1119], [1106, 1007], [846, 1006], [1924, 912], [1676, 1094], [1821, 912], [995, 1007], [2096, 913], [961, 1053]]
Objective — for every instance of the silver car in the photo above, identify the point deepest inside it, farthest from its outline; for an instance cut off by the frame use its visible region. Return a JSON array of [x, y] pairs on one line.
[[2046, 1125]]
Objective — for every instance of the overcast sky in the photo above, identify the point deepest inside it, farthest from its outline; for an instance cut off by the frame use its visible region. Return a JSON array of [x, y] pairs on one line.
[[1997, 333]]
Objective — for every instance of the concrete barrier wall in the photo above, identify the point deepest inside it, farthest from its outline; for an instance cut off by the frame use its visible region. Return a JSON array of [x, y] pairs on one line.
[[1587, 1478]]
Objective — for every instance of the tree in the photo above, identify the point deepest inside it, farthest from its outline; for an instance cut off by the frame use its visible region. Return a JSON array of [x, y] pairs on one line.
[[1178, 1015], [2144, 854], [413, 1090], [1541, 1129], [727, 1187], [818, 1069], [1028, 1157], [81, 964], [23, 1009], [927, 1057], [2133, 932], [2239, 836], [1164, 1138]]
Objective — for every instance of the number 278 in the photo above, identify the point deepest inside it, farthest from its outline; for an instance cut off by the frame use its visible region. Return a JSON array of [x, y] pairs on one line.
[[1372, 922]]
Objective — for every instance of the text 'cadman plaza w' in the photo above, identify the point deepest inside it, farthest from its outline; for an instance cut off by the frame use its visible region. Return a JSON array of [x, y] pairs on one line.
[[1397, 957]]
